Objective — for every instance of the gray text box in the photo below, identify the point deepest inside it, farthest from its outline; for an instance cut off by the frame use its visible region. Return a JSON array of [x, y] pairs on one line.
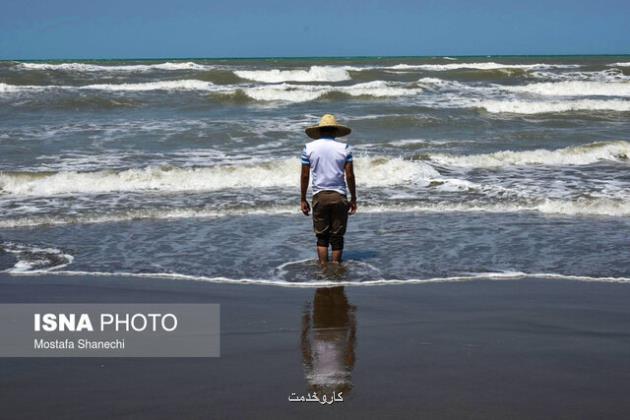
[[109, 330]]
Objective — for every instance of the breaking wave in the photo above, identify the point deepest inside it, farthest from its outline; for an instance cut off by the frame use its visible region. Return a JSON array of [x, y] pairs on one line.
[[273, 92], [85, 67], [574, 155], [304, 93], [516, 106], [606, 207], [574, 88], [167, 85], [376, 171], [313, 74], [479, 66]]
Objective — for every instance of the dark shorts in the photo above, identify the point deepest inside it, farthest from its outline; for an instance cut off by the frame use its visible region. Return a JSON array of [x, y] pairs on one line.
[[330, 217]]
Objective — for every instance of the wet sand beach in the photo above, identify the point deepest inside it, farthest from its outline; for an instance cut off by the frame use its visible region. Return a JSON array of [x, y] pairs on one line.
[[481, 349]]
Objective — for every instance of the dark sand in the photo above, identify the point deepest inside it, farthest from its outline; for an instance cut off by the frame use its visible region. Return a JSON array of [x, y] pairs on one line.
[[483, 349]]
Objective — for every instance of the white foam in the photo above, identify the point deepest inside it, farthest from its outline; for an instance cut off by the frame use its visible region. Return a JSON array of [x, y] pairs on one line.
[[574, 88], [304, 93], [143, 214], [607, 207], [581, 207], [574, 155], [624, 64], [405, 142], [168, 85], [274, 92], [35, 259], [517, 106], [479, 66], [608, 75], [85, 67], [7, 88], [586, 207], [375, 171], [489, 276], [436, 83], [313, 74]]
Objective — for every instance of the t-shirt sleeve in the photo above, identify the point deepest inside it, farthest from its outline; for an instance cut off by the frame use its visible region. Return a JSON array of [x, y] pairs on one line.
[[348, 154], [304, 158]]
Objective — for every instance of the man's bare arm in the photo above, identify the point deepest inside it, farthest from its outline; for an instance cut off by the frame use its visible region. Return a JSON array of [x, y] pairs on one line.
[[304, 177], [352, 187]]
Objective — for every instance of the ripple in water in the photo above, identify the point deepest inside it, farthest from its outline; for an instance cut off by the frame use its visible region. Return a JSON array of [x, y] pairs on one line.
[[309, 271]]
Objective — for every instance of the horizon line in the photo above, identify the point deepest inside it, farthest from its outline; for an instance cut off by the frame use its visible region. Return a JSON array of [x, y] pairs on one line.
[[337, 57]]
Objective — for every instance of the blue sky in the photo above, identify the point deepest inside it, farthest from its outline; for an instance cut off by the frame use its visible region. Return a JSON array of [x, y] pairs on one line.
[[32, 29]]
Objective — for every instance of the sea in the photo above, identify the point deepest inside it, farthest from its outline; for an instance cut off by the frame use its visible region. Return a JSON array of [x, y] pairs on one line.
[[467, 168]]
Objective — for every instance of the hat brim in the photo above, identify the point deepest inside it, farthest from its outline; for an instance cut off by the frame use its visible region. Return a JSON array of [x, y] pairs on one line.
[[314, 132]]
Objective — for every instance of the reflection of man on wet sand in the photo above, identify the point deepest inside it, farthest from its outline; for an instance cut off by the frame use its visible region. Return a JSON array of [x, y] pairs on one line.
[[328, 160], [328, 340]]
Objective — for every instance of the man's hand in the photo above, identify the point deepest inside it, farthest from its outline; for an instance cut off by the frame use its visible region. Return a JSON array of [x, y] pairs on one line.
[[305, 207], [353, 207]]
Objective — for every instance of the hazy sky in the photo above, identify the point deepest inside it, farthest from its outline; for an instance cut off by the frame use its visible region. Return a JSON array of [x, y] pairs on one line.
[[242, 28]]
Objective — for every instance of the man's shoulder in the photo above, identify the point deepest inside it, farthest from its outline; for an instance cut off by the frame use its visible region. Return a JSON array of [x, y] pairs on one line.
[[319, 143]]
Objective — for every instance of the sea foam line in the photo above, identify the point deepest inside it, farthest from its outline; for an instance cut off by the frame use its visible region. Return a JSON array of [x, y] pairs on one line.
[[480, 66], [574, 88], [617, 151], [86, 67], [313, 74], [377, 171], [516, 106], [584, 207], [283, 92], [315, 284]]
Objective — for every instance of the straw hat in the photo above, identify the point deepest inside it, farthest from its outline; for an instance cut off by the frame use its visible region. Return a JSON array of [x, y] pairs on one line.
[[327, 120]]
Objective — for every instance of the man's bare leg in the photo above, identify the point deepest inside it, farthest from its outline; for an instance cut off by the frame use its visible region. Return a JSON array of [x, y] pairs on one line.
[[336, 256], [322, 254]]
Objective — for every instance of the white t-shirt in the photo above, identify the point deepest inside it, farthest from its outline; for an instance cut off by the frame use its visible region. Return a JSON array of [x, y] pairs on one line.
[[327, 159]]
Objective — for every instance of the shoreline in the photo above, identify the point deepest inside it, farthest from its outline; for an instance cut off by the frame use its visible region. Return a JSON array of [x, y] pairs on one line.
[[513, 348]]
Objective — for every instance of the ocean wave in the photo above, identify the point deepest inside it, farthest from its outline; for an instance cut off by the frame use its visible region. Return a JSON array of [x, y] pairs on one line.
[[516, 106], [313, 74], [442, 84], [376, 172], [580, 207], [624, 64], [574, 155], [7, 88], [604, 87], [586, 207], [167, 85], [305, 93], [479, 66], [574, 88], [143, 214], [608, 75], [85, 67], [283, 92]]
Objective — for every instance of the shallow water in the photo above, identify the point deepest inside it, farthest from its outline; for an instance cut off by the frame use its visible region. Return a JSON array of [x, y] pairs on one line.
[[466, 167]]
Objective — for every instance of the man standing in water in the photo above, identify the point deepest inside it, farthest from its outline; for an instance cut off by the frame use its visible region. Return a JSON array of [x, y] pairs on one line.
[[328, 160]]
